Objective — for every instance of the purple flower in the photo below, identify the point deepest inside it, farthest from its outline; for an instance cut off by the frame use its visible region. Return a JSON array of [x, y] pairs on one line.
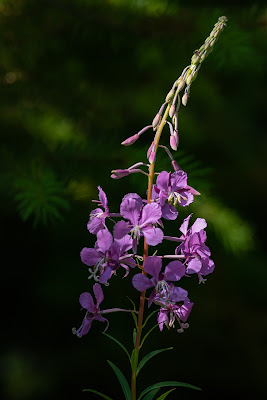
[[194, 248], [159, 281], [171, 312], [141, 220], [173, 188], [92, 310], [98, 216], [107, 256]]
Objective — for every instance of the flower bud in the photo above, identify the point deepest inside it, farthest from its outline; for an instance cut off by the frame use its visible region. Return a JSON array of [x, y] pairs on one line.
[[170, 95], [156, 120], [173, 143], [152, 157], [185, 99], [175, 165], [195, 58], [172, 110], [130, 140], [181, 85], [119, 173]]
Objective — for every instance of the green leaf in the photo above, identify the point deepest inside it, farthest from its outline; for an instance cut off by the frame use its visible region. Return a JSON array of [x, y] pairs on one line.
[[148, 357], [134, 360], [167, 383], [149, 316], [133, 314], [164, 395], [134, 318], [151, 394], [134, 336], [144, 338], [100, 394], [124, 384], [119, 343]]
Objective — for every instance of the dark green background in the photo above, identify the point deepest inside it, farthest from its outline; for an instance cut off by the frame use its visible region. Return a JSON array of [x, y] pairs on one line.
[[76, 79]]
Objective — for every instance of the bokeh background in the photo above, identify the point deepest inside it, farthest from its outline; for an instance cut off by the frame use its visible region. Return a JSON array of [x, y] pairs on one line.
[[76, 78]]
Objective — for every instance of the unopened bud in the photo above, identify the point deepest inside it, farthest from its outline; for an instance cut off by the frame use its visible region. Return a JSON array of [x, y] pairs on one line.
[[212, 43], [195, 58], [156, 120], [172, 110], [175, 165], [152, 157], [170, 95], [174, 140], [150, 149], [173, 143], [185, 99], [181, 85], [130, 140], [119, 173]]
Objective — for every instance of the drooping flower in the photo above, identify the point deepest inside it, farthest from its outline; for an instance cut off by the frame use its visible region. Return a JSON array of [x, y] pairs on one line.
[[98, 215], [194, 248], [107, 256], [174, 189], [160, 281], [141, 219], [170, 313], [92, 310]]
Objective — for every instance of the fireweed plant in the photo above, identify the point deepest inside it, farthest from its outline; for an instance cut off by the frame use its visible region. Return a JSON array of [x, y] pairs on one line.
[[117, 247]]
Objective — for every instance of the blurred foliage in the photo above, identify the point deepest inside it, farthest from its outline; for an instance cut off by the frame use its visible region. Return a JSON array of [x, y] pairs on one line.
[[41, 195]]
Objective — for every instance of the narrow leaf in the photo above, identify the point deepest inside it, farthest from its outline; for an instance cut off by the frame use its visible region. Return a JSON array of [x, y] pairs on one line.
[[149, 356], [134, 360], [119, 343], [134, 336], [151, 394], [149, 316], [134, 318], [99, 394], [168, 383], [164, 395], [132, 303], [124, 384], [146, 335]]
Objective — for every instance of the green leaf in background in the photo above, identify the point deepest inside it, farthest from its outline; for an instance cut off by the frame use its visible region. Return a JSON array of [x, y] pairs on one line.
[[151, 394], [149, 356], [164, 395], [167, 383], [124, 384], [119, 343], [40, 195], [99, 394]]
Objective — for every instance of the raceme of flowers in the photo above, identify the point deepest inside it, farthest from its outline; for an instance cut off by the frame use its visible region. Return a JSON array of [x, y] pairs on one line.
[[116, 248]]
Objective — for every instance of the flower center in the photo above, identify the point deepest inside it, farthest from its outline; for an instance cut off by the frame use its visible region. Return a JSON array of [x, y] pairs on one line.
[[175, 198], [136, 232]]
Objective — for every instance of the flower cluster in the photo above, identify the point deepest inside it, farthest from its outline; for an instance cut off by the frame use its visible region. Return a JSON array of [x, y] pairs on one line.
[[117, 248]]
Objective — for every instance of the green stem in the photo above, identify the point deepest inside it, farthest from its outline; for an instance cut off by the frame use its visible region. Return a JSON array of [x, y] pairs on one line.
[[142, 295]]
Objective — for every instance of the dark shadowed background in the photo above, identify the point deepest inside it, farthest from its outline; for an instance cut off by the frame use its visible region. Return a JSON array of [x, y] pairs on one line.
[[77, 77]]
